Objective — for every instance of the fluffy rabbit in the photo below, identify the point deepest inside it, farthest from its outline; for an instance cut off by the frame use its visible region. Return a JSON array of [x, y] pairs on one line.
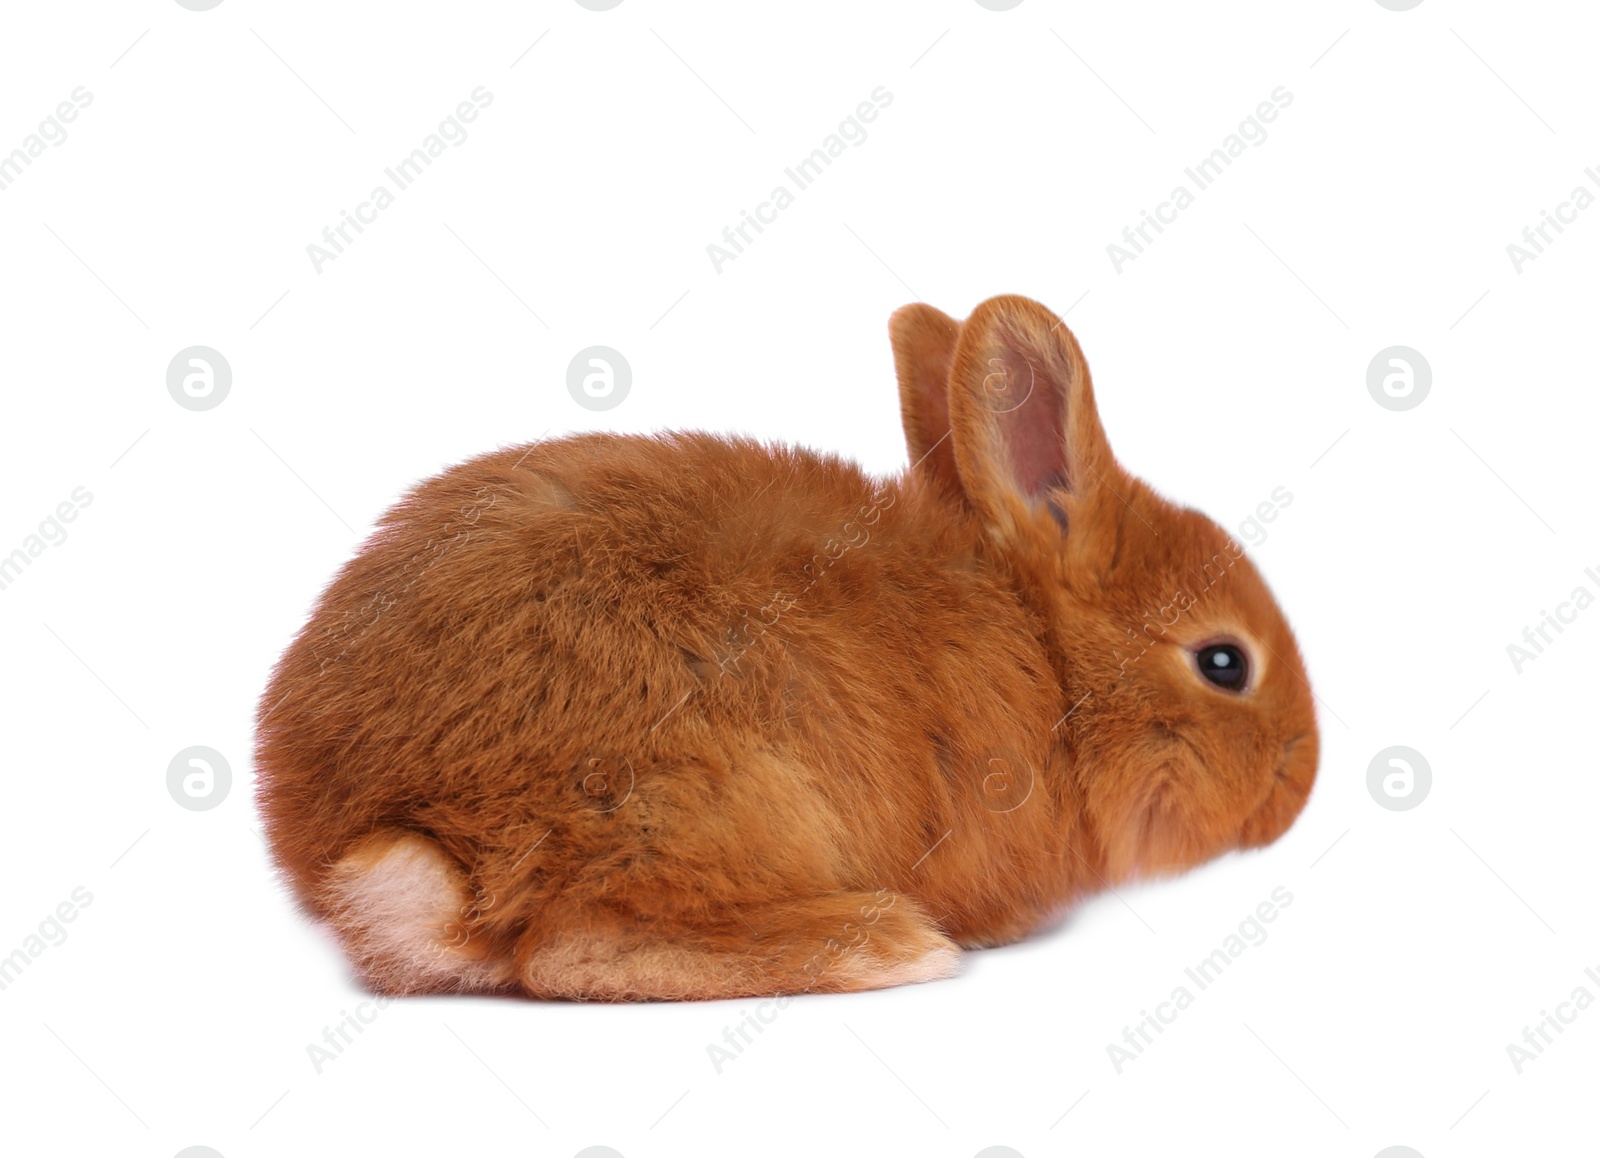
[[688, 716]]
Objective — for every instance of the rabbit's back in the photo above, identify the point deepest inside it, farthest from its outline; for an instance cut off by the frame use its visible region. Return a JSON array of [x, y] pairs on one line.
[[602, 642]]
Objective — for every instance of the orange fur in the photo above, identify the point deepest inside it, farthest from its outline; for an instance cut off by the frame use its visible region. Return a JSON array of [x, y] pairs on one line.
[[688, 716], [924, 341]]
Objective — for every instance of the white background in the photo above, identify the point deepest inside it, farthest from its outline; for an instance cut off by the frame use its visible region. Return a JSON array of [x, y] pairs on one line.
[[1230, 359]]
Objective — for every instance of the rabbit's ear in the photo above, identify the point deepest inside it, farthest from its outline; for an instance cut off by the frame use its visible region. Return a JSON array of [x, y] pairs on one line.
[[1022, 413], [924, 342]]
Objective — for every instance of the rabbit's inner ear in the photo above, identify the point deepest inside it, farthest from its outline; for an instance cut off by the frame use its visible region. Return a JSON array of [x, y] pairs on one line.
[[1028, 403], [1022, 409]]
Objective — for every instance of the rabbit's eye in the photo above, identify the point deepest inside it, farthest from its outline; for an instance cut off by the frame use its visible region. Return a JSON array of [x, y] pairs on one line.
[[1224, 665]]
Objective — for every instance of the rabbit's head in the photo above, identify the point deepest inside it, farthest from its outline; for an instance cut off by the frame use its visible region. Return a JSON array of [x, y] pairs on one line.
[[1190, 726]]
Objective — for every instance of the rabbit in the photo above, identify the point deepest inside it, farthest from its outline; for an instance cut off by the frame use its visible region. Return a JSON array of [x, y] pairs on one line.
[[685, 716]]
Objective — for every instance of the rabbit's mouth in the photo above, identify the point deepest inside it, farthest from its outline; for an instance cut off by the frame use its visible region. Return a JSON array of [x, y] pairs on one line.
[[1286, 794], [1288, 750]]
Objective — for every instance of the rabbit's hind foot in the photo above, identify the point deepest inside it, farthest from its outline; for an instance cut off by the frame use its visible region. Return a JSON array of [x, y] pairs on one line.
[[835, 943]]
